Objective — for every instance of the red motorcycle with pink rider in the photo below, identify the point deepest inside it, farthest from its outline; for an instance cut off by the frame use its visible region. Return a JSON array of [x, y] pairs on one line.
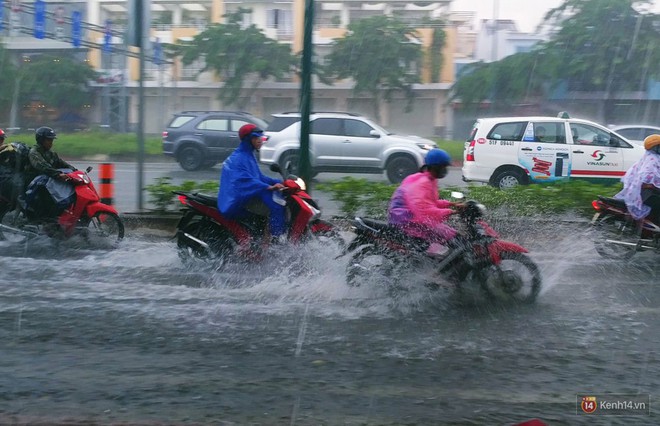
[[417, 239]]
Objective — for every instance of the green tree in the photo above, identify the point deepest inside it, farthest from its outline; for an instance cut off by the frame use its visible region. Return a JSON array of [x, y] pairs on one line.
[[505, 82], [610, 44], [382, 56], [7, 80], [597, 45], [438, 43], [239, 56], [57, 81]]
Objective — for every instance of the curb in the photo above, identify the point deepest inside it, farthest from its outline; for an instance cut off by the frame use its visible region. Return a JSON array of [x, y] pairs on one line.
[[160, 224], [166, 222]]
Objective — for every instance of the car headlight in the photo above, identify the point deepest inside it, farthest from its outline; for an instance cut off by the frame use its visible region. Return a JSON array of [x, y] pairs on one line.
[[425, 146]]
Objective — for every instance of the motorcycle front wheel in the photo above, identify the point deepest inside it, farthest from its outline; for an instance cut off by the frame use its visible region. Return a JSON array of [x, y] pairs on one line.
[[617, 238], [516, 279], [372, 265], [204, 240], [105, 229], [328, 234]]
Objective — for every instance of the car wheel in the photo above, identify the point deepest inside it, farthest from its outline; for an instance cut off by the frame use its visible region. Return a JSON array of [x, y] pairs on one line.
[[191, 158], [289, 163], [399, 168], [508, 179]]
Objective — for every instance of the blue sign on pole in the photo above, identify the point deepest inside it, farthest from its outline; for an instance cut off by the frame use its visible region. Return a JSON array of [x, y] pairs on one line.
[[2, 13], [39, 19], [158, 52], [107, 37], [76, 28]]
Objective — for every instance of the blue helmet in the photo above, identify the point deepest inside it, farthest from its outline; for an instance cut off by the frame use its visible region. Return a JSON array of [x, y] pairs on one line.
[[437, 157]]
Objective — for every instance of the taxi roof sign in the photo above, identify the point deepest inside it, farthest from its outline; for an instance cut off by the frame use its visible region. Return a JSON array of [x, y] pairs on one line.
[[563, 114]]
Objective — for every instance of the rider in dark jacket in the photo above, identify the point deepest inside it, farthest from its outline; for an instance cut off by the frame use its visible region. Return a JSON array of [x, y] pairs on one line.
[[243, 188], [44, 162]]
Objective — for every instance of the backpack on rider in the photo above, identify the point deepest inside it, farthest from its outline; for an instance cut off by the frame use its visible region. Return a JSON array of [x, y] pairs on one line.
[[13, 161]]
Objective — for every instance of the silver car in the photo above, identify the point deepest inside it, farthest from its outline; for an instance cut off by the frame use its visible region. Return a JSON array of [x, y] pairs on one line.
[[344, 143], [636, 133]]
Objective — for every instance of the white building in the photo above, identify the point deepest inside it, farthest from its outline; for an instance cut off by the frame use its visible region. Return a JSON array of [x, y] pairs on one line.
[[500, 38]]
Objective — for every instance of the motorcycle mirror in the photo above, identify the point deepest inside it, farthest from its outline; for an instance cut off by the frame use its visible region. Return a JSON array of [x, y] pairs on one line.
[[457, 195], [88, 169]]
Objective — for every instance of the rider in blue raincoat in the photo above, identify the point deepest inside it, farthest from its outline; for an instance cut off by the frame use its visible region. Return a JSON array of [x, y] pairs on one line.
[[244, 189]]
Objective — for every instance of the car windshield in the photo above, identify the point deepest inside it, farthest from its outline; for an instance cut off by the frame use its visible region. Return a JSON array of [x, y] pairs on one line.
[[378, 128], [259, 122]]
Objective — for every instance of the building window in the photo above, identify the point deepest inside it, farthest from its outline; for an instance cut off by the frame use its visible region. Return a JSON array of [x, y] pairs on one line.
[[279, 18]]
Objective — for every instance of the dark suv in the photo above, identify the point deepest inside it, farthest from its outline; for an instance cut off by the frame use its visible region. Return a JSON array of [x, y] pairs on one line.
[[199, 139]]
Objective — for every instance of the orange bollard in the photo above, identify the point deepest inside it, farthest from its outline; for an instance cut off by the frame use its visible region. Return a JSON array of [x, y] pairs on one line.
[[106, 187]]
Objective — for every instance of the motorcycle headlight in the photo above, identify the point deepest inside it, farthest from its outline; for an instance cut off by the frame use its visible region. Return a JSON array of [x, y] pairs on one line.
[[301, 184]]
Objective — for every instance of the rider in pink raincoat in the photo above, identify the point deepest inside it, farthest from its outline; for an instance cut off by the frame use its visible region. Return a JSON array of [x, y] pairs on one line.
[[415, 206], [641, 183]]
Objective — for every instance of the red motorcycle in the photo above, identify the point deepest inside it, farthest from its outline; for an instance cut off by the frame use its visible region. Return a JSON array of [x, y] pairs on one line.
[[620, 236], [203, 232], [385, 253], [85, 216]]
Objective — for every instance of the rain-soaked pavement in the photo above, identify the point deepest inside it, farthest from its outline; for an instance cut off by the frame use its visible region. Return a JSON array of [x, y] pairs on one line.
[[131, 336]]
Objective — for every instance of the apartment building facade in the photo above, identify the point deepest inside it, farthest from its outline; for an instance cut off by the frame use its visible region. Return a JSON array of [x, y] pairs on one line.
[[172, 87]]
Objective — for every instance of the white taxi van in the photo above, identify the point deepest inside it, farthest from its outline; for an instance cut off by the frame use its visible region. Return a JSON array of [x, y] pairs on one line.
[[509, 151]]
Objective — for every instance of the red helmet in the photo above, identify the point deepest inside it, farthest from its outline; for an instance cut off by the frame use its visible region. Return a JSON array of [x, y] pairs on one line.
[[2, 134], [249, 130]]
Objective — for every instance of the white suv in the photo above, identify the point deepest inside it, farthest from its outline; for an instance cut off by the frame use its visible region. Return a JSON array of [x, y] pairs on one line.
[[345, 143], [509, 151]]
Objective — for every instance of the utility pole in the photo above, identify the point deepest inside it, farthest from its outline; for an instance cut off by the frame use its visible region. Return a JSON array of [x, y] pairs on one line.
[[306, 95], [141, 22], [496, 27]]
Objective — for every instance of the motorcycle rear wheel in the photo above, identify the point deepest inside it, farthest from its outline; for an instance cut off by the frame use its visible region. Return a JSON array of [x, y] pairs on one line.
[[614, 228], [14, 219], [220, 242], [516, 279], [105, 228]]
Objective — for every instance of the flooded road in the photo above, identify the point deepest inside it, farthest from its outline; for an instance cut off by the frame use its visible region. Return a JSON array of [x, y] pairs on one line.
[[132, 336]]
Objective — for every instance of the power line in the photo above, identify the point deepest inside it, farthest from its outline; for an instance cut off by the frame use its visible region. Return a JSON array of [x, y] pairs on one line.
[[28, 9]]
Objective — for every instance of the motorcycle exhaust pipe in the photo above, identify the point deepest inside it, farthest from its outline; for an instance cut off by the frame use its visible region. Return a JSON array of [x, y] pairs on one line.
[[196, 240], [636, 245]]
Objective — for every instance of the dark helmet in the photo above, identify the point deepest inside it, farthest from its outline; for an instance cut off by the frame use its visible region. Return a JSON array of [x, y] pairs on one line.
[[249, 130], [437, 157], [44, 133]]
